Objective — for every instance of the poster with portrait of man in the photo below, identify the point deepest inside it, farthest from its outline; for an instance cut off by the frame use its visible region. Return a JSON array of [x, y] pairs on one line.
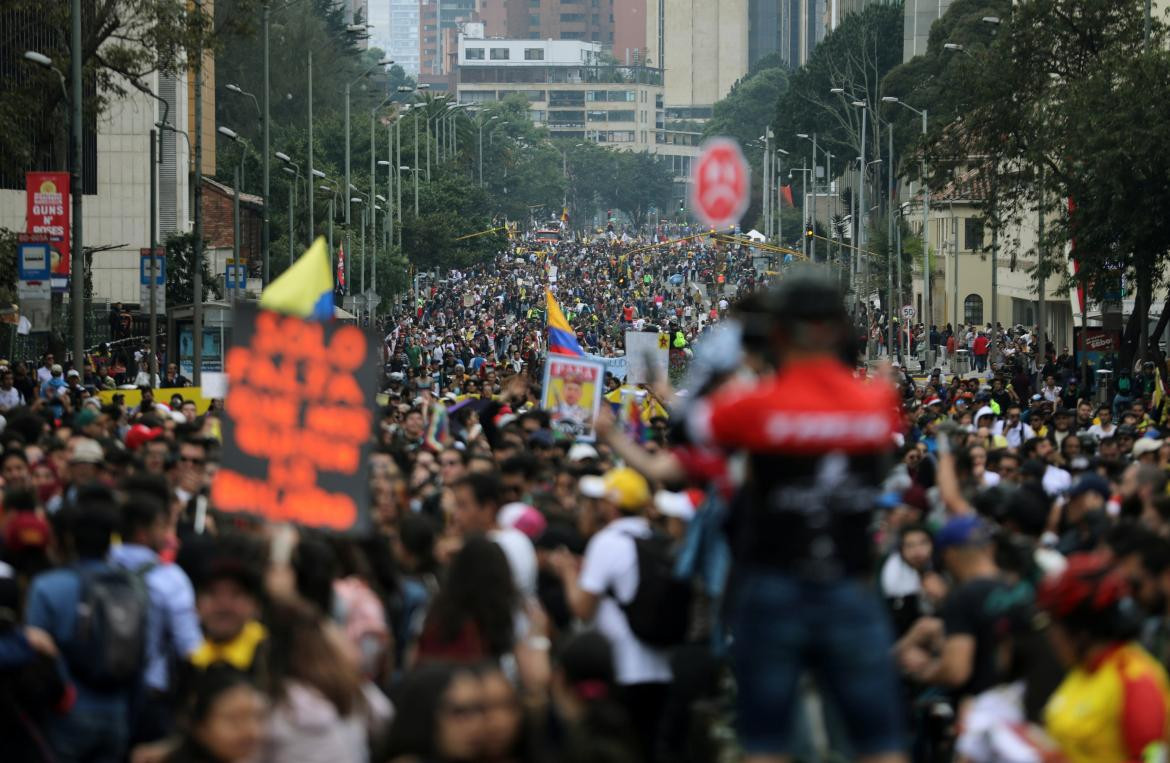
[[572, 395]]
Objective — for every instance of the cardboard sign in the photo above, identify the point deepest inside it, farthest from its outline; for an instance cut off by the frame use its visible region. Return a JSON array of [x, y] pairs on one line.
[[647, 356], [298, 421], [572, 394]]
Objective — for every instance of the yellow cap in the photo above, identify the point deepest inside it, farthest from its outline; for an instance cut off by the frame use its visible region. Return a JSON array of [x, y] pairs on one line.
[[627, 489]]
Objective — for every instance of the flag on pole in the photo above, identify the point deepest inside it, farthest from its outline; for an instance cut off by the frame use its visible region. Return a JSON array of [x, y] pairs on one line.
[[564, 215], [306, 288], [786, 196], [341, 265], [561, 339]]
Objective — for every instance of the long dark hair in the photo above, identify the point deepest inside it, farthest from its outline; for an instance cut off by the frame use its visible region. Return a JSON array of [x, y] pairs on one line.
[[604, 734], [478, 587], [300, 650], [418, 700], [206, 687]]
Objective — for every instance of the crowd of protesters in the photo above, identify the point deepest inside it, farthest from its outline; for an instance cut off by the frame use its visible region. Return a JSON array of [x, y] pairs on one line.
[[790, 555]]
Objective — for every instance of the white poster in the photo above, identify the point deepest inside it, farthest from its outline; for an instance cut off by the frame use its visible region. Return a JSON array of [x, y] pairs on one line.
[[647, 356]]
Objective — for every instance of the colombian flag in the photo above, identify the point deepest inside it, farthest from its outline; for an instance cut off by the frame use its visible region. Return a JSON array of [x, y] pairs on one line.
[[561, 340], [306, 288]]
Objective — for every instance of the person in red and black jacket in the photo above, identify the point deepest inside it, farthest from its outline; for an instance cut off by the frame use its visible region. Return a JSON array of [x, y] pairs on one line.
[[819, 441]]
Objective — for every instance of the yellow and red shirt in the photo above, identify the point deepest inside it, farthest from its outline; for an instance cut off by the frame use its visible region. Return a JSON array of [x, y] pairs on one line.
[[1114, 710]]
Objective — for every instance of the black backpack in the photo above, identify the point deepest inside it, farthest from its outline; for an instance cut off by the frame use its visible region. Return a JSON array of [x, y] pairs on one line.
[[660, 612], [108, 649]]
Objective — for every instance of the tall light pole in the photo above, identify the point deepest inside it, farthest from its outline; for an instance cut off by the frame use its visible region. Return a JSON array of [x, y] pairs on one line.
[[862, 210], [77, 260], [332, 198], [414, 170], [309, 176], [482, 124], [813, 242], [197, 271], [264, 162], [232, 135], [348, 182], [926, 274], [293, 169]]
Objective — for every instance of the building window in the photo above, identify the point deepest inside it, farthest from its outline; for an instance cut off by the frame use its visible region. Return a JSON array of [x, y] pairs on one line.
[[572, 18], [534, 54], [973, 234], [500, 54], [621, 116], [534, 19], [973, 309], [474, 54]]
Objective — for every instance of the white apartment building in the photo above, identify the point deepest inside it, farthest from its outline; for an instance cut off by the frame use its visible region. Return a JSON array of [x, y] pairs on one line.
[[568, 89]]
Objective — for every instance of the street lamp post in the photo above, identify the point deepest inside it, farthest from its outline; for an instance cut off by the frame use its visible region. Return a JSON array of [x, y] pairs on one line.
[[77, 258], [348, 85], [263, 114], [927, 315], [232, 135], [813, 242], [295, 171]]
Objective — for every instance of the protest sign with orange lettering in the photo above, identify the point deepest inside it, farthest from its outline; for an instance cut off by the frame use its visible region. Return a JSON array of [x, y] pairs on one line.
[[297, 421]]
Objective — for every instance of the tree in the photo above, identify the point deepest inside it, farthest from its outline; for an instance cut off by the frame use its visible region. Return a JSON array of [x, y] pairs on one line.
[[180, 256], [1057, 113], [854, 57], [122, 42], [640, 181]]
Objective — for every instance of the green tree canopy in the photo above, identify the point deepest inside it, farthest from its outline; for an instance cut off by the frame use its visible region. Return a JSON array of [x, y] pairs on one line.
[[1061, 108]]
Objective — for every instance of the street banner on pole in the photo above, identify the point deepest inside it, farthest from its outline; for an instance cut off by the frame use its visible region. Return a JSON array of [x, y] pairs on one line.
[[47, 213], [297, 423]]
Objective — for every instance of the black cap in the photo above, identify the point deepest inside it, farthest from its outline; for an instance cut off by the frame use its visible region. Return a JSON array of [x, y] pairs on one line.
[[807, 296]]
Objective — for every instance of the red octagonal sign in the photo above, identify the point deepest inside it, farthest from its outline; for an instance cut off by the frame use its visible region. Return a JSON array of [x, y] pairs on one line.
[[720, 183]]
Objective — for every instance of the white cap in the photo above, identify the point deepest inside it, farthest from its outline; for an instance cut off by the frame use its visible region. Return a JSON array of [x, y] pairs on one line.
[[591, 486], [676, 505], [581, 451]]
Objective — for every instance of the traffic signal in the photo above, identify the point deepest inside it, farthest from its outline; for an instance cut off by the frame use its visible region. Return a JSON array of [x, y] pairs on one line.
[[808, 230]]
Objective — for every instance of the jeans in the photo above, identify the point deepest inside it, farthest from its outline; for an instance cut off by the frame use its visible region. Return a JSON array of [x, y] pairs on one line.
[[92, 734], [783, 626]]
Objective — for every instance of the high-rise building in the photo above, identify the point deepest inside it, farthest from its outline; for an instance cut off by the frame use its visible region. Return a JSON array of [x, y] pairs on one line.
[[404, 34], [439, 24], [629, 30], [920, 15], [378, 16], [802, 26], [763, 28], [703, 47]]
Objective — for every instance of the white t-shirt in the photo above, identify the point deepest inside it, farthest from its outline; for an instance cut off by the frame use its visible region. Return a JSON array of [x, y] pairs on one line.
[[1056, 480], [611, 566], [1101, 431], [1016, 435], [10, 398], [521, 557]]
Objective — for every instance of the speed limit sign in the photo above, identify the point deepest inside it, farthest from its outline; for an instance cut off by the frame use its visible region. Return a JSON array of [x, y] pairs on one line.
[[908, 312]]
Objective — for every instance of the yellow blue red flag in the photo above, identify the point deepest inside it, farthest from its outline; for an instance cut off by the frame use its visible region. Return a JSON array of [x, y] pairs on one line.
[[306, 288], [561, 339]]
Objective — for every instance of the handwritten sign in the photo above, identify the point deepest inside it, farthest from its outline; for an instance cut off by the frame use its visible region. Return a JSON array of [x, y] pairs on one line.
[[299, 416]]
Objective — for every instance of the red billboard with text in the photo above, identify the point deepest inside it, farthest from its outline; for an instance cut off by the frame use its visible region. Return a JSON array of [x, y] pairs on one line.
[[48, 214]]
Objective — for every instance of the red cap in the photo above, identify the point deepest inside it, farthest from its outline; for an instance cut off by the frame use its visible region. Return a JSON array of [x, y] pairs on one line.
[[139, 434]]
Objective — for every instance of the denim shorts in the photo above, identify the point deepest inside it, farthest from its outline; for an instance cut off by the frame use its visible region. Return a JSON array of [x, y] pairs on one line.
[[838, 631]]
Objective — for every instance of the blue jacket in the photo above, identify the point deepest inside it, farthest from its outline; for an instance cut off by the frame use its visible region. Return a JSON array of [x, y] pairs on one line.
[[53, 598]]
